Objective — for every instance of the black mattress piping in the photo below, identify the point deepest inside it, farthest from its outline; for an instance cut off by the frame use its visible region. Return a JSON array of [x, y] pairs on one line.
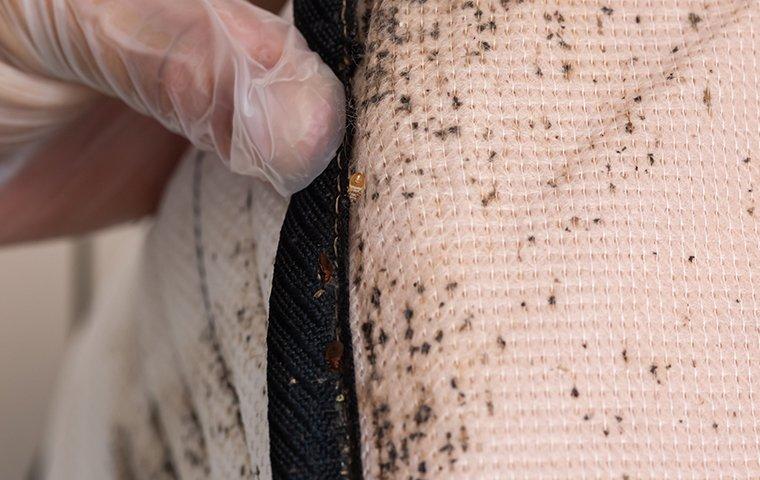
[[313, 418]]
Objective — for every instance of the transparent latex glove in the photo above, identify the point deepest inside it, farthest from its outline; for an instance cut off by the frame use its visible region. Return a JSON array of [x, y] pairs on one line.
[[232, 78]]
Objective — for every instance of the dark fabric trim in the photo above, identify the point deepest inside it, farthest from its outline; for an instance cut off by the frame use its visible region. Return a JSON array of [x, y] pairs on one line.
[[313, 419]]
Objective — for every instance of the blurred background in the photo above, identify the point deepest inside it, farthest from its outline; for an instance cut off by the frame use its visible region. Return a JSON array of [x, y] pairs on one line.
[[45, 288]]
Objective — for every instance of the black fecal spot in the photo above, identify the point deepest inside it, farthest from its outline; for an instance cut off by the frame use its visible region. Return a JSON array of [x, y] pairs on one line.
[[488, 198], [448, 448], [574, 392], [653, 370], [606, 432], [624, 354], [369, 344], [451, 286], [435, 32], [746, 160], [374, 99], [408, 313], [567, 69], [501, 342], [715, 426], [405, 104], [618, 418], [445, 132], [691, 258], [707, 98], [505, 3], [455, 102], [438, 336], [586, 417], [650, 156], [694, 20], [629, 128], [637, 19], [485, 46], [607, 11], [637, 98], [423, 414], [407, 195], [375, 297], [552, 300], [491, 25]]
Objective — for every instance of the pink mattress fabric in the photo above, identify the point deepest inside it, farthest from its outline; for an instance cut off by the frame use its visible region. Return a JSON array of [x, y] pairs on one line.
[[555, 265]]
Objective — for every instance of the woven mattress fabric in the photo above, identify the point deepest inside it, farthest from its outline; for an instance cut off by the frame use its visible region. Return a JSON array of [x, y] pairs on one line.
[[554, 267], [168, 378]]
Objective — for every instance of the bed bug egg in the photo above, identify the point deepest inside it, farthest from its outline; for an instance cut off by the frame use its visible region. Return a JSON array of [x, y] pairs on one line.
[[356, 186]]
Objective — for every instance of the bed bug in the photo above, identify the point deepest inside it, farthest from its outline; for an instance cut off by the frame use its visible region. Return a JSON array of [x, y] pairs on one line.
[[325, 267], [334, 355], [356, 186]]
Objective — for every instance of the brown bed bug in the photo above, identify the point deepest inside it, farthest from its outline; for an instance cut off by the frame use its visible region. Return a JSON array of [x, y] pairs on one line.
[[356, 185], [334, 355], [325, 267]]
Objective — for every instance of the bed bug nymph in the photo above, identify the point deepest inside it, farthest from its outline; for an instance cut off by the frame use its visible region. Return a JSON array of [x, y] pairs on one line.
[[334, 355], [325, 267], [356, 186]]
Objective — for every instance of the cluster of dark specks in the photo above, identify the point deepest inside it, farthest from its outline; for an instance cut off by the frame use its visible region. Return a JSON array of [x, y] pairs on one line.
[[409, 308]]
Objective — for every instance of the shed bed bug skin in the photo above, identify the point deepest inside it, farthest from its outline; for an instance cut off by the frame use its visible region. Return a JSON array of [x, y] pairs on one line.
[[356, 186]]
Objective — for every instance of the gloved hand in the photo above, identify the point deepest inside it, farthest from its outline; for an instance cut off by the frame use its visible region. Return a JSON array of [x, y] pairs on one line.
[[230, 77]]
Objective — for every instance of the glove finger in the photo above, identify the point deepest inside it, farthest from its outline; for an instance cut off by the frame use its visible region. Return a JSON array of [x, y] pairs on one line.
[[232, 78]]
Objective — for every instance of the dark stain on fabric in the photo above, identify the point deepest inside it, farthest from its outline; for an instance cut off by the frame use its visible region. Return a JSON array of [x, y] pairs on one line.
[[694, 20]]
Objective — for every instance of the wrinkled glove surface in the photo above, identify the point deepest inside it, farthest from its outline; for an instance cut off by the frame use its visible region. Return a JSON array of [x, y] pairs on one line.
[[232, 78]]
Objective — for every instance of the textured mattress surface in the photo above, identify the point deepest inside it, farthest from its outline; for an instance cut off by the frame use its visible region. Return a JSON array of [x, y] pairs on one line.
[[168, 379], [555, 264]]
